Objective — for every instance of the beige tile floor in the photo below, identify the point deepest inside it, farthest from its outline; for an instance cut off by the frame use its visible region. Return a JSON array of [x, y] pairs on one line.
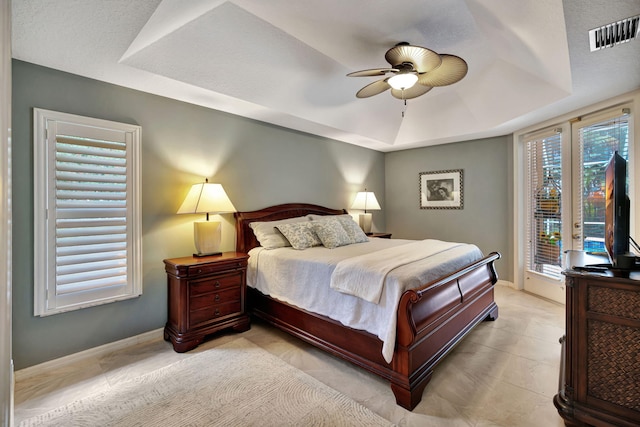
[[505, 373]]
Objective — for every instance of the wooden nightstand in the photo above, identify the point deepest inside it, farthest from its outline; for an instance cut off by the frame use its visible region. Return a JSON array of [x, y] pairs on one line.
[[380, 235], [205, 295]]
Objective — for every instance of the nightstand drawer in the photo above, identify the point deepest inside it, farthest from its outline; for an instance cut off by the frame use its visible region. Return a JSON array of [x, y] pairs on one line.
[[215, 268], [210, 314], [215, 298], [214, 284]]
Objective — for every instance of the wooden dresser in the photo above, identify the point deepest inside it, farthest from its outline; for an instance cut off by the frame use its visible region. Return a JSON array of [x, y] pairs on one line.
[[205, 295], [600, 366]]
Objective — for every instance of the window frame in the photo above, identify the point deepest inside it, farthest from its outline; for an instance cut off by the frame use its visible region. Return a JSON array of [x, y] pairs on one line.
[[46, 299]]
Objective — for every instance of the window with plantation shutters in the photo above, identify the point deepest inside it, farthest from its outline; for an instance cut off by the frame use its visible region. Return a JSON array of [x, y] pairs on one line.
[[86, 212]]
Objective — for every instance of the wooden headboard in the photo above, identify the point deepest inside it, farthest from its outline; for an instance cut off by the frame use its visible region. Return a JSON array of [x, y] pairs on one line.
[[245, 238]]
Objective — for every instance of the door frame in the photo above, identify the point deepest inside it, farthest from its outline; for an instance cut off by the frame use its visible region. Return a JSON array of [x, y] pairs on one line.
[[6, 362], [553, 291]]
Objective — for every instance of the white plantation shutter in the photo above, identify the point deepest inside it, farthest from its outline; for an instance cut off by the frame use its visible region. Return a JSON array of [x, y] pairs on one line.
[[87, 248]]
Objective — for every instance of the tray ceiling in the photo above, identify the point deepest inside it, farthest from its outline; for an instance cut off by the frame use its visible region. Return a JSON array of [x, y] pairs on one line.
[[285, 62]]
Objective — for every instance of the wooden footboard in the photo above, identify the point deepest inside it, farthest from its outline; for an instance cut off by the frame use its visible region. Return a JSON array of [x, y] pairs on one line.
[[432, 319]]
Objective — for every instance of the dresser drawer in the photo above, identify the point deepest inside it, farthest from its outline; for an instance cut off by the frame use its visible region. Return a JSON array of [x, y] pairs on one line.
[[212, 313], [215, 298], [214, 284]]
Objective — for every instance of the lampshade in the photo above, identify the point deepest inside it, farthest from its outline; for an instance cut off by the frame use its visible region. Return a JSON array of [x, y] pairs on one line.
[[207, 198], [365, 200], [403, 80]]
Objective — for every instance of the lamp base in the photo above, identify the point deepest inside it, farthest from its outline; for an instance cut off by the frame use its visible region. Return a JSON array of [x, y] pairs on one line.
[[207, 254], [364, 220], [206, 236]]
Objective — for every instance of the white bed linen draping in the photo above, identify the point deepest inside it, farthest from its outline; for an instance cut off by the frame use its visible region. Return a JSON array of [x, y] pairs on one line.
[[364, 275], [302, 277]]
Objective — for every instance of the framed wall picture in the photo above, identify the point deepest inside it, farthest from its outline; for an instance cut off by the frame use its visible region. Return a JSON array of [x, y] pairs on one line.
[[441, 189]]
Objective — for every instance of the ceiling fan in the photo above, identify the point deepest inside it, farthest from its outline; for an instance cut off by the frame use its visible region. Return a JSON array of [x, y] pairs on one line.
[[414, 71]]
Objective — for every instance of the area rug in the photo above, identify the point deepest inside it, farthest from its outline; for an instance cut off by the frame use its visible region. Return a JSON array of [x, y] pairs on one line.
[[235, 384]]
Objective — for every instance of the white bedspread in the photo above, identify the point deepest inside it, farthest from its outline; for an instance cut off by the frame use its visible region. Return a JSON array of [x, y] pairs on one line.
[[302, 278], [364, 275]]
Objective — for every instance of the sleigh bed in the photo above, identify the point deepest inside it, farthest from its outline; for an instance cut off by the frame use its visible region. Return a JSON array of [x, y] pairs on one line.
[[431, 318]]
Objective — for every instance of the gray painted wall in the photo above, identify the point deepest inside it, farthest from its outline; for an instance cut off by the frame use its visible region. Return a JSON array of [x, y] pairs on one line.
[[485, 219], [258, 164]]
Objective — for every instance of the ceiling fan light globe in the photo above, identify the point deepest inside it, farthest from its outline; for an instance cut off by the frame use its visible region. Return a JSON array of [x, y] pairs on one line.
[[402, 81]]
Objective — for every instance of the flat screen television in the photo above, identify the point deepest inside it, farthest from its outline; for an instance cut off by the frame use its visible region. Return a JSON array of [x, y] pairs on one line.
[[617, 211]]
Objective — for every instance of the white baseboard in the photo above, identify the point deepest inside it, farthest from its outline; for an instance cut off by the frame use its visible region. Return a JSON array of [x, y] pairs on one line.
[[99, 351], [506, 283]]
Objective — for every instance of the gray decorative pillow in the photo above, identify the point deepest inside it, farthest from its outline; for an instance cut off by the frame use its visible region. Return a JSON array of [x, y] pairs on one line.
[[353, 230], [269, 236], [301, 235], [331, 233], [350, 226]]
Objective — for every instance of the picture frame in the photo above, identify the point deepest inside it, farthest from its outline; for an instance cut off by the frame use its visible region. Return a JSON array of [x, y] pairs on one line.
[[441, 189]]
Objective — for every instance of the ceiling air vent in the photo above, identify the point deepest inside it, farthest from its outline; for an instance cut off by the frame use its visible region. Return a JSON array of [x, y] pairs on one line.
[[615, 33]]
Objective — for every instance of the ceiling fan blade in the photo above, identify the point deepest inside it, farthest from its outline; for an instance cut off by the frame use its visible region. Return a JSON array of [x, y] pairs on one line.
[[371, 73], [373, 89], [413, 92], [452, 70], [423, 59]]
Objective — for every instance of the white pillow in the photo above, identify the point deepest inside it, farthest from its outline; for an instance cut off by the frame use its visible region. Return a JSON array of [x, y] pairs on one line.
[[351, 227], [300, 234], [331, 233], [269, 236]]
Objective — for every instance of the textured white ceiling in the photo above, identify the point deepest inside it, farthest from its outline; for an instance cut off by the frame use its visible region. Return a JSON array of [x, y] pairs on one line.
[[285, 62]]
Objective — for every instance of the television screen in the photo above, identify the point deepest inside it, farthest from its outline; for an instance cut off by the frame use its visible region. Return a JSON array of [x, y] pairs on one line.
[[616, 238]]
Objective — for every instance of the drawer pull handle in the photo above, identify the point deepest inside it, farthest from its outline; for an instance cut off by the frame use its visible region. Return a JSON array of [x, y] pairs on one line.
[[217, 298], [217, 284], [199, 270], [217, 312]]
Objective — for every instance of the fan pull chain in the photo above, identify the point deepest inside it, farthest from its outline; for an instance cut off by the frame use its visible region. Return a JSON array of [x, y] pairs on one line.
[[405, 104]]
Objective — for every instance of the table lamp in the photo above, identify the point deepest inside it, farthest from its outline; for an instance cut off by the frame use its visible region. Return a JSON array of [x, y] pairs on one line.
[[207, 198], [365, 200]]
